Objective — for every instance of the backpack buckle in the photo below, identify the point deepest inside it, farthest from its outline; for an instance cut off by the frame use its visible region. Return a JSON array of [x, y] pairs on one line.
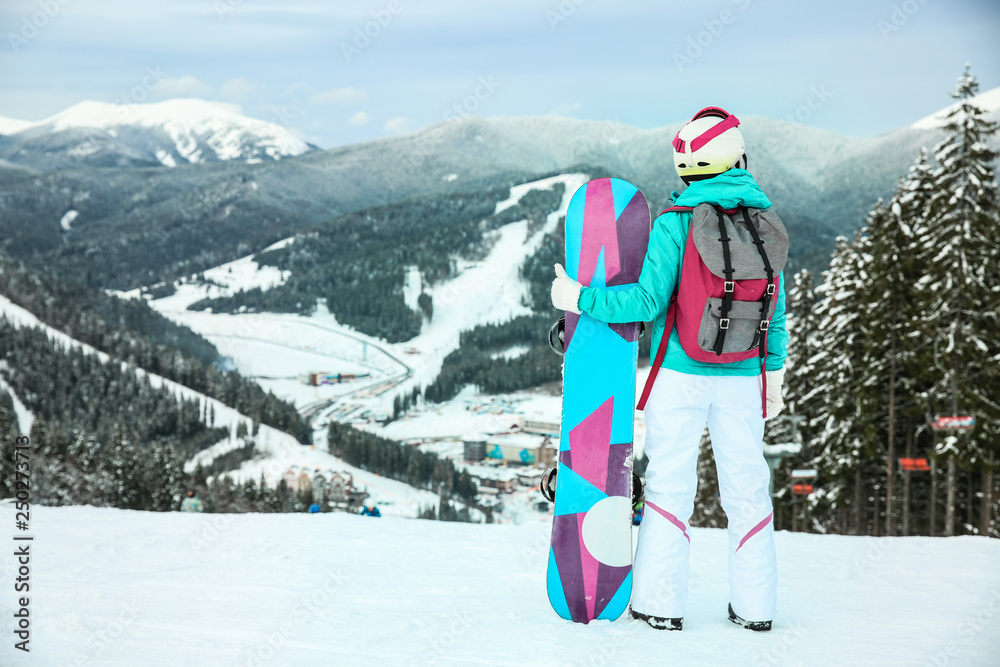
[[730, 286], [724, 324], [771, 289], [763, 326]]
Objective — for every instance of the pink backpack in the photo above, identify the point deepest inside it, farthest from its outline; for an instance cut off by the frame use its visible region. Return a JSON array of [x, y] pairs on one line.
[[728, 287]]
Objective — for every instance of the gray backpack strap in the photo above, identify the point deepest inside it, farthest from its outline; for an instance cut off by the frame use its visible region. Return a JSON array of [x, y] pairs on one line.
[[730, 286], [743, 251], [765, 301]]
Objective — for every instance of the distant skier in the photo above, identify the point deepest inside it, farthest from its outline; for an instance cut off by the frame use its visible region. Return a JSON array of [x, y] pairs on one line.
[[192, 503], [694, 387], [371, 510], [314, 508]]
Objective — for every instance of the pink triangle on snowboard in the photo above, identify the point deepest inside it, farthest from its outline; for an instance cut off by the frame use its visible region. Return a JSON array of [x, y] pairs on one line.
[[589, 441]]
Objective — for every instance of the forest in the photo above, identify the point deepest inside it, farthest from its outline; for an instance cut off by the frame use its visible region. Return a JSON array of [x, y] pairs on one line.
[[357, 262], [131, 331], [423, 470]]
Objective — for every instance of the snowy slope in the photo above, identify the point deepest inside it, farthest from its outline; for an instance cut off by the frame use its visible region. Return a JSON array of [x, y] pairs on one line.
[[281, 450], [13, 125], [490, 291], [988, 102], [226, 280], [115, 587], [275, 348], [172, 132], [485, 291], [25, 419]]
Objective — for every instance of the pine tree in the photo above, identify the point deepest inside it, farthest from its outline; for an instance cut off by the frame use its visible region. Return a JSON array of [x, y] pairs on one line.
[[960, 289], [803, 346], [708, 512], [8, 449], [841, 418], [802, 325], [908, 210], [890, 322]]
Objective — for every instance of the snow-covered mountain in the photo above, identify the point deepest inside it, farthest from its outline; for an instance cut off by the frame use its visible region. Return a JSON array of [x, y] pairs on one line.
[[173, 132], [988, 102], [13, 125], [197, 217]]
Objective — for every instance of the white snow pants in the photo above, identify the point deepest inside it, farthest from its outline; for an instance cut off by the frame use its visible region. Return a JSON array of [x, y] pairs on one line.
[[678, 407]]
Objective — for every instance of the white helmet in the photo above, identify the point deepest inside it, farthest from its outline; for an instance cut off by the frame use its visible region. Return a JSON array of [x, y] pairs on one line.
[[708, 145]]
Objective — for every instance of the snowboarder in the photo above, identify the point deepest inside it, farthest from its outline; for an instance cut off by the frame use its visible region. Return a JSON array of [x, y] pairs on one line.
[[734, 398], [371, 510], [192, 503]]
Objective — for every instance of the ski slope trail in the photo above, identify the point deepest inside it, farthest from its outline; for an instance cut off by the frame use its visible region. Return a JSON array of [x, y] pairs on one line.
[[117, 587], [267, 345]]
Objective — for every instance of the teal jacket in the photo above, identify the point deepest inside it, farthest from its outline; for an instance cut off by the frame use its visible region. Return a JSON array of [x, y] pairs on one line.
[[648, 299], [192, 505]]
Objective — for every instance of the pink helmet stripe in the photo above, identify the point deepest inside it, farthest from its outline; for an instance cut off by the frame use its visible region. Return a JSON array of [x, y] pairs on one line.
[[678, 143], [714, 131]]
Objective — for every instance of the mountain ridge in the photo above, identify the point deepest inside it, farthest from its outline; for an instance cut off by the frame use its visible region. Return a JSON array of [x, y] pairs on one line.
[[137, 222], [168, 133]]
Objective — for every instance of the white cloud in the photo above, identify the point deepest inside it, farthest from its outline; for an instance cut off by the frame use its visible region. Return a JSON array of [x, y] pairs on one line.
[[396, 125], [339, 96], [182, 86], [360, 118], [240, 89]]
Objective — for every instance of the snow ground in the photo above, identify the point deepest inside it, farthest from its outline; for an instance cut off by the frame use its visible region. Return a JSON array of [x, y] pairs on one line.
[[117, 587], [470, 414], [281, 346]]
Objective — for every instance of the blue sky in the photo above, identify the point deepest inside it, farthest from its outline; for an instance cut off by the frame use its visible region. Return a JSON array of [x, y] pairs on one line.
[[865, 66]]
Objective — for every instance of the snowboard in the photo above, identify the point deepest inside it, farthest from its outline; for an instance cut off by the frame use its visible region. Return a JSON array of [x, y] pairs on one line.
[[590, 558]]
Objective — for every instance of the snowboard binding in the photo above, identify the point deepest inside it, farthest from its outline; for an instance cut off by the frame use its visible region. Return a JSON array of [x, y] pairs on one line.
[[548, 487], [557, 335]]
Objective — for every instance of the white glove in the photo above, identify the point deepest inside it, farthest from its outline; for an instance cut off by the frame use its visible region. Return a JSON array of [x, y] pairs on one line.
[[565, 291], [774, 381]]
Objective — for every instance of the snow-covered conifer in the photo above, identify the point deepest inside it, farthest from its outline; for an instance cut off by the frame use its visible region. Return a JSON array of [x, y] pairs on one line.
[[959, 248]]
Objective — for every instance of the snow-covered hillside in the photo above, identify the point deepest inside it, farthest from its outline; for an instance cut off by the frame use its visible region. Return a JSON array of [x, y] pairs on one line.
[[277, 348], [13, 125], [488, 291], [177, 131], [280, 452], [988, 102], [116, 587]]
